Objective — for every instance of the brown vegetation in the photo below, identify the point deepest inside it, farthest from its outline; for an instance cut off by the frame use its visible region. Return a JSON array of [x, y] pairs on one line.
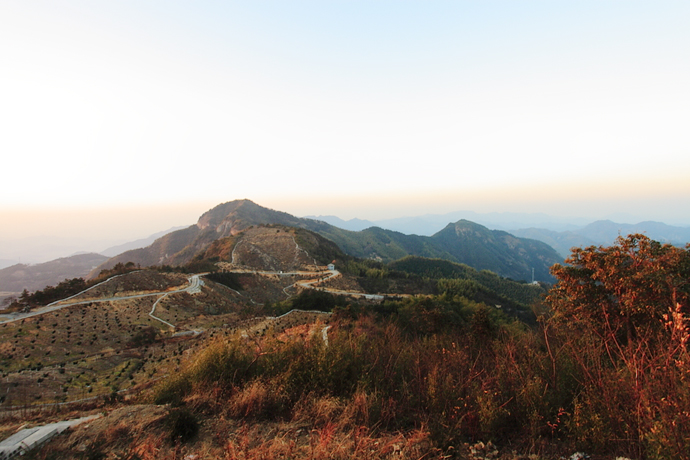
[[605, 370]]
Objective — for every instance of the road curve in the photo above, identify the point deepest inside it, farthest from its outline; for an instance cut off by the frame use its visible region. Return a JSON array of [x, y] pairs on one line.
[[194, 286], [195, 283]]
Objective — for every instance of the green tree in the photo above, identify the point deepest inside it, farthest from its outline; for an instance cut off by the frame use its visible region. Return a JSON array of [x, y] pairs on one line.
[[458, 287]]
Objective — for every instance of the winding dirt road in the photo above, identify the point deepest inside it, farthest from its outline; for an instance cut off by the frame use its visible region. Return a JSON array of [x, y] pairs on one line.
[[194, 287]]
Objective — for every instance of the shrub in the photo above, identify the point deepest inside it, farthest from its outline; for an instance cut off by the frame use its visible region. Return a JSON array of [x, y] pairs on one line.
[[181, 424], [144, 336], [172, 391], [620, 316]]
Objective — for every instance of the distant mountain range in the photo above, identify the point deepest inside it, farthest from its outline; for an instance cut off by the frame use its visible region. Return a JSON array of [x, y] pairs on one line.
[[18, 277], [462, 242], [561, 234], [429, 224], [513, 255], [604, 233]]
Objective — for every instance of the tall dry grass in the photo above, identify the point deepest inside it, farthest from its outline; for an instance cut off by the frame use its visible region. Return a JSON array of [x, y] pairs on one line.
[[559, 384], [373, 374]]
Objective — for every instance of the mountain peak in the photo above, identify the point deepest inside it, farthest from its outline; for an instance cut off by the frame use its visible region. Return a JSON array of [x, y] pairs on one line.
[[463, 241], [462, 226], [216, 215]]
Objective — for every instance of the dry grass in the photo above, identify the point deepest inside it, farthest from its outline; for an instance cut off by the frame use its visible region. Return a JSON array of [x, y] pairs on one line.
[[325, 442], [253, 401], [139, 432]]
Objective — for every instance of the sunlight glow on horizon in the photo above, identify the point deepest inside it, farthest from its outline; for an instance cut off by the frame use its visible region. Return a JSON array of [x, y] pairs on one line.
[[346, 108], [583, 200]]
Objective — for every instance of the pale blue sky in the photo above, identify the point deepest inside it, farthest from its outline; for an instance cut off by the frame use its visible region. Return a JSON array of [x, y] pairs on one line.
[[359, 109]]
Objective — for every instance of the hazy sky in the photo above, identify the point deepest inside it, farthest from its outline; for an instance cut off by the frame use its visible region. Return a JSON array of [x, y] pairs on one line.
[[369, 109]]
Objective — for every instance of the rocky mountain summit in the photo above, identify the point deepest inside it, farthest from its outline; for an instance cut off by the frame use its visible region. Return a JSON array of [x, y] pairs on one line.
[[461, 242]]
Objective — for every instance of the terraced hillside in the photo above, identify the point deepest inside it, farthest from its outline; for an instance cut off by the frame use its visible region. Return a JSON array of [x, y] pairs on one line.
[[262, 248], [94, 349]]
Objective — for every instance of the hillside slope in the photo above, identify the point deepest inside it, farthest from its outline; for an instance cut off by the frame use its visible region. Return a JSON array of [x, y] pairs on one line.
[[462, 242], [498, 251], [224, 220]]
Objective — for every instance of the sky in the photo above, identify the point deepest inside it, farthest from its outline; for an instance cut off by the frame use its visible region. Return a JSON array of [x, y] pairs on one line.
[[121, 119]]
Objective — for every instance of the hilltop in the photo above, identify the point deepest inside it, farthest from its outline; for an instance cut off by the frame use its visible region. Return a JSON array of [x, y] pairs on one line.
[[225, 220]]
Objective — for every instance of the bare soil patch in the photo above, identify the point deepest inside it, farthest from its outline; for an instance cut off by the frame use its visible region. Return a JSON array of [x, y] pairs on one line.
[[270, 249]]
